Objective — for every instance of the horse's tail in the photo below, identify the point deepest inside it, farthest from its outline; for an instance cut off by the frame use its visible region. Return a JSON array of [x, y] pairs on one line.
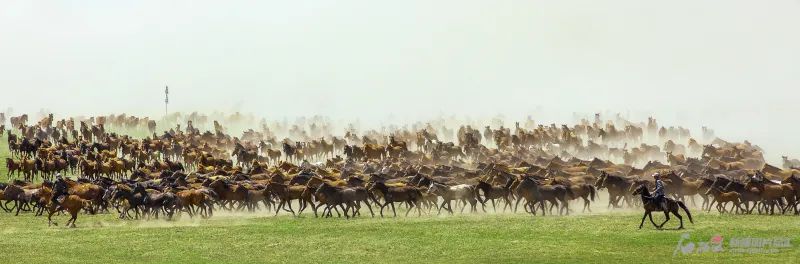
[[592, 192], [478, 195], [685, 210]]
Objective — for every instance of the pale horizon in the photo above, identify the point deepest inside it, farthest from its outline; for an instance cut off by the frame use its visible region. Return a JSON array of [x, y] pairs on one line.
[[732, 66]]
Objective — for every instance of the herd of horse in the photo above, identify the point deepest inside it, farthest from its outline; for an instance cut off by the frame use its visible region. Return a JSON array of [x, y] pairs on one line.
[[120, 163]]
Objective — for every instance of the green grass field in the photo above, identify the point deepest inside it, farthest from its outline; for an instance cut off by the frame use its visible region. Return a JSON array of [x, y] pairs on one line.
[[259, 238], [610, 237]]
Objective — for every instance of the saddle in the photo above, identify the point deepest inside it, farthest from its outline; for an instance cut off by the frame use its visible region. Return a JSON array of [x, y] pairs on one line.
[[665, 201], [61, 198]]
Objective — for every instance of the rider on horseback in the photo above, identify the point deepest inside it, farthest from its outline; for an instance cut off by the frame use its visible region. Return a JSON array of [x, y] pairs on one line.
[[59, 190], [658, 193]]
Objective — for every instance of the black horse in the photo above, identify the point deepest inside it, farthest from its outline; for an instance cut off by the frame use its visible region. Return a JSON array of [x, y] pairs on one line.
[[650, 206]]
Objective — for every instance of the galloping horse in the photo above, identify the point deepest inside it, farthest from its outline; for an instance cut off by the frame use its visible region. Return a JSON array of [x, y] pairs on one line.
[[651, 206]]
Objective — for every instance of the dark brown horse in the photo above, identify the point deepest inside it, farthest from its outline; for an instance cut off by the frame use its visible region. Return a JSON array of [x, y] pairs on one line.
[[408, 194], [491, 193], [650, 206], [534, 193], [617, 186]]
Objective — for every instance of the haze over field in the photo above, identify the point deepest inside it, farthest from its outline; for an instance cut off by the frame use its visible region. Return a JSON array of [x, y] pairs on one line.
[[734, 66]]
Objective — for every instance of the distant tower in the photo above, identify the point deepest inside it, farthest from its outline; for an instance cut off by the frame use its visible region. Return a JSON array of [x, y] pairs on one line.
[[166, 101]]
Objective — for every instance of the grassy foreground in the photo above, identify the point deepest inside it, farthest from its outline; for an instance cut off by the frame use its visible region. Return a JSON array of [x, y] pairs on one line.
[[608, 237]]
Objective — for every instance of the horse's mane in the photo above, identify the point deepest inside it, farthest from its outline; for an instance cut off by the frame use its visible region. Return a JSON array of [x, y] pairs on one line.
[[644, 189], [615, 178]]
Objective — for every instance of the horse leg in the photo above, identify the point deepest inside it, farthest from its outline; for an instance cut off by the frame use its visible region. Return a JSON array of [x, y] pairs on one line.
[[19, 207], [585, 204], [678, 215], [440, 208], [666, 215], [50, 213], [345, 209], [628, 201], [450, 207], [290, 208], [278, 208], [74, 218], [314, 207], [542, 205], [303, 205], [474, 204], [395, 211], [2, 205], [369, 207], [705, 201], [646, 213], [650, 214], [711, 203], [327, 208]]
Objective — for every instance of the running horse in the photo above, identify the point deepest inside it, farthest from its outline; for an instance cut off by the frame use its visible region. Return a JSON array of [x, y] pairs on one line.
[[650, 206]]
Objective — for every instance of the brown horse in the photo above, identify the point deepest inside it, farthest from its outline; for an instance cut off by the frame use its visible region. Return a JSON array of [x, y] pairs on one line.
[[722, 198], [229, 194], [794, 182], [587, 192], [21, 196], [86, 191], [72, 204], [333, 196], [28, 168], [681, 187], [651, 206], [491, 193], [285, 195], [618, 187], [534, 193], [408, 194], [12, 167], [195, 201], [771, 195]]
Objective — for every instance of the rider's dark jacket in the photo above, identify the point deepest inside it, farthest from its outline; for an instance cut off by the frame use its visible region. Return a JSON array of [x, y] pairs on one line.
[[659, 189]]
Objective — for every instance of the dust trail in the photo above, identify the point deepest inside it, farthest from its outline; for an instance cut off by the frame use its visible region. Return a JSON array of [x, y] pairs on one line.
[[599, 207]]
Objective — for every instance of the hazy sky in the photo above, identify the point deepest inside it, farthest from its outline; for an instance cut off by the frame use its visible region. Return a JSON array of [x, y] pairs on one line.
[[733, 65]]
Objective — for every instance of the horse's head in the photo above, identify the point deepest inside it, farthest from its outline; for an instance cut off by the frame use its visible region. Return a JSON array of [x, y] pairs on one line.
[[435, 188], [641, 190], [601, 181], [712, 190], [753, 182]]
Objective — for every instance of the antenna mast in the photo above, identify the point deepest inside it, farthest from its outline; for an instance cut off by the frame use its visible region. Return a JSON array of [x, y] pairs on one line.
[[166, 101]]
